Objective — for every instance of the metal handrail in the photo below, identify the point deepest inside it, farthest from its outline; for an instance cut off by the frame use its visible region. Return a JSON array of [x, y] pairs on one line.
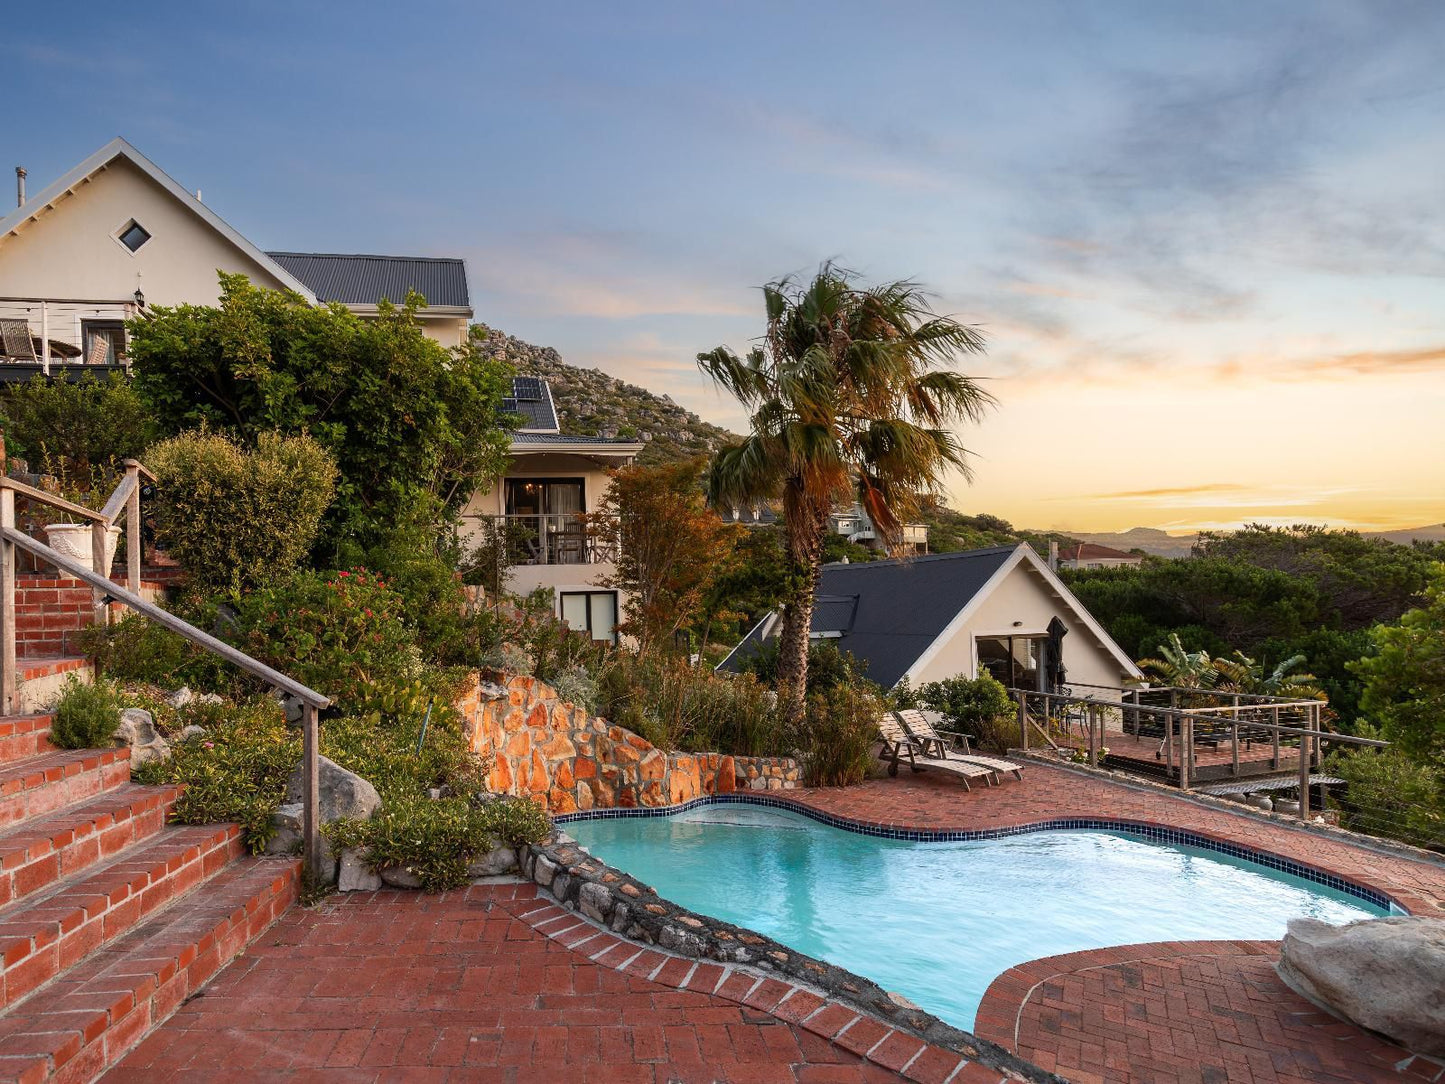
[[126, 498], [163, 617], [1179, 728]]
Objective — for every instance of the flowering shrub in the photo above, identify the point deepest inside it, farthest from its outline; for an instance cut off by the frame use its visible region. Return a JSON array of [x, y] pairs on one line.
[[343, 634]]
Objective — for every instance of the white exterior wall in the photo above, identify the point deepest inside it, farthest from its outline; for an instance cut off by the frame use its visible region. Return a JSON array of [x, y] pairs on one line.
[[1024, 597], [522, 579], [71, 251]]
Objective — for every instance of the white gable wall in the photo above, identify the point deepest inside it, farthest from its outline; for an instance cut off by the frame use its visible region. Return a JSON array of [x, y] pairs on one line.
[[71, 250], [1022, 596]]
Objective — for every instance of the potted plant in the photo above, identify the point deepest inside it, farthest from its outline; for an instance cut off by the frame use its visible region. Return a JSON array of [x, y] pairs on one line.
[[65, 533]]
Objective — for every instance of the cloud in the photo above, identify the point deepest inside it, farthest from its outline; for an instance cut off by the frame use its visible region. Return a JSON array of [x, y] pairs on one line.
[[1170, 491], [612, 276]]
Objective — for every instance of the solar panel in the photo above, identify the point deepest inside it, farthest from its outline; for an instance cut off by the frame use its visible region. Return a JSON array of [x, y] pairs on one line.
[[528, 388]]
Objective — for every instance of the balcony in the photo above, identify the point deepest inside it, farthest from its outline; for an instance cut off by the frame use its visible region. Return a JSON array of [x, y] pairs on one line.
[[564, 538], [48, 335]]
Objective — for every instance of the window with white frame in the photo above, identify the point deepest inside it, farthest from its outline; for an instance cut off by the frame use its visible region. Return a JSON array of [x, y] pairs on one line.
[[592, 611]]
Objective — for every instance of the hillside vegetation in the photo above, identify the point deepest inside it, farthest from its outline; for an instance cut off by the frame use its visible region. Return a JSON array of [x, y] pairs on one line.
[[591, 403]]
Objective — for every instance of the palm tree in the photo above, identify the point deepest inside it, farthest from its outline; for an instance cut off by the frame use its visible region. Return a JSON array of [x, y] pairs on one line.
[[1244, 674], [1180, 667], [850, 393]]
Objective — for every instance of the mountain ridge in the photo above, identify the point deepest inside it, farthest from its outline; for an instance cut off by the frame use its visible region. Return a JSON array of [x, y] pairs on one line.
[[591, 403]]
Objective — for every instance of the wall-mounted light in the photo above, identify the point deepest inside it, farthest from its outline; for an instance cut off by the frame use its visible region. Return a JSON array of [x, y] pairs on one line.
[[140, 298], [1018, 624]]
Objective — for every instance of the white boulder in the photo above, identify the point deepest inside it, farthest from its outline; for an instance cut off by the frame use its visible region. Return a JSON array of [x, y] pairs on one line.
[[1385, 974]]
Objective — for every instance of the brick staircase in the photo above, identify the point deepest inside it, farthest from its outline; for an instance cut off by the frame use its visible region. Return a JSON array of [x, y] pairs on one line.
[[109, 917]]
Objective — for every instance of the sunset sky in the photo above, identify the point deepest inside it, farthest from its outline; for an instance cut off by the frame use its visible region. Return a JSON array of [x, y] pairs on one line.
[[1206, 241]]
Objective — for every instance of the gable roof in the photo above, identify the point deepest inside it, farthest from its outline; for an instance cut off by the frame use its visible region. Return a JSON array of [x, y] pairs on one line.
[[896, 615], [365, 280], [119, 148], [895, 609]]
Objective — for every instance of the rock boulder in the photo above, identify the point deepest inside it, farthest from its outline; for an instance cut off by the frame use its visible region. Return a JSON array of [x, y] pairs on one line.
[[1385, 974], [342, 794], [138, 730]]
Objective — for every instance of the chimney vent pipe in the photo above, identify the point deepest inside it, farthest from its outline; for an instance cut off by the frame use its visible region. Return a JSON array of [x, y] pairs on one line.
[[19, 186]]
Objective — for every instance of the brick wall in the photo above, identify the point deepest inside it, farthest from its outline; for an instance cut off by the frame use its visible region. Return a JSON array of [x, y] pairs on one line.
[[48, 614], [569, 760], [49, 611]]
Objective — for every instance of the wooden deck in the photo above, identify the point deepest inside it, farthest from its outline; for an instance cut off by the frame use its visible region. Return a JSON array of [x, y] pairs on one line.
[[1211, 762]]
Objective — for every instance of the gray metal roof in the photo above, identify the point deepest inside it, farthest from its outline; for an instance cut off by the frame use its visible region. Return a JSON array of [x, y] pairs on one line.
[[525, 437], [365, 280], [889, 612], [532, 398]]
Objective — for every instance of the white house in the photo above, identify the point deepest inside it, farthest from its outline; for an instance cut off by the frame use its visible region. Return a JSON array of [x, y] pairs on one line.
[[116, 235], [854, 525], [999, 610], [552, 480], [1091, 555]]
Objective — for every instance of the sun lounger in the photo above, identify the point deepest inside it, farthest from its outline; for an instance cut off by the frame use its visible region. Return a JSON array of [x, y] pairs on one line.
[[898, 744], [920, 726]]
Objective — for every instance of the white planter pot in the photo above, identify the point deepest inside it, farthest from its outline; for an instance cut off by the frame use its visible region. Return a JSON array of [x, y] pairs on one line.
[[73, 541]]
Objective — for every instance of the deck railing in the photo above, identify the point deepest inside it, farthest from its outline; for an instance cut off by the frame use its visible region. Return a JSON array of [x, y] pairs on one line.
[[1171, 724], [557, 538], [126, 501]]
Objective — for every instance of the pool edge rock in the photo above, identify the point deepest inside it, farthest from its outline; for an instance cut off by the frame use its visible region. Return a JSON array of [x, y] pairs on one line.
[[629, 908]]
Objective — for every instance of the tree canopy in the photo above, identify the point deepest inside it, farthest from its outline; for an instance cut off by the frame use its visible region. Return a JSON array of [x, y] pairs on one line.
[[414, 427]]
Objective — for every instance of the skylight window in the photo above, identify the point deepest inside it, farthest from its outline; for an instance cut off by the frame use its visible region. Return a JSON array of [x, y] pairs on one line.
[[133, 236]]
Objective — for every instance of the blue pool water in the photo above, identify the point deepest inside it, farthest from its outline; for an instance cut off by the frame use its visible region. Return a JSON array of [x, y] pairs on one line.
[[937, 922]]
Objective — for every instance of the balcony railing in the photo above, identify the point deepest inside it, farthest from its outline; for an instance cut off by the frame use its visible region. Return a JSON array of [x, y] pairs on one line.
[[564, 538]]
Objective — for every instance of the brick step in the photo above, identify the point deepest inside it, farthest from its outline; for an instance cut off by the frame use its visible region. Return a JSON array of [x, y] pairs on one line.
[[36, 853], [23, 736], [85, 1021], [43, 934], [43, 784]]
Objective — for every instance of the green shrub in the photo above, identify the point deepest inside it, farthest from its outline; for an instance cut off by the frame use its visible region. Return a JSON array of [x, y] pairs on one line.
[[970, 704], [1391, 795], [677, 706], [86, 715], [342, 633], [437, 839], [234, 518], [574, 685], [84, 423], [237, 772], [434, 838], [840, 731], [400, 765], [134, 649]]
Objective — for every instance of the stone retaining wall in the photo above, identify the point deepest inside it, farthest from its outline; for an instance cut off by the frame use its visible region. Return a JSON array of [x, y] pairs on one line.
[[560, 755]]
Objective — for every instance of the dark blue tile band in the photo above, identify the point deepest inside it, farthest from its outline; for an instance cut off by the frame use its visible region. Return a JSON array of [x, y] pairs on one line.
[[1151, 832]]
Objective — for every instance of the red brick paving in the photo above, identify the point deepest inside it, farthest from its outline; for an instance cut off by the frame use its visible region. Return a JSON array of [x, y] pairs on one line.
[[397, 985], [1195, 1011], [405, 986]]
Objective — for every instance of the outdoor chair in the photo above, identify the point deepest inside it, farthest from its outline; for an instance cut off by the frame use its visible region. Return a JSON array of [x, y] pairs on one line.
[[898, 744], [15, 341], [920, 726]]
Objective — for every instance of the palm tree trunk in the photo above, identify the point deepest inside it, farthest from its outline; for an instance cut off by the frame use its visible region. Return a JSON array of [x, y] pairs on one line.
[[805, 554]]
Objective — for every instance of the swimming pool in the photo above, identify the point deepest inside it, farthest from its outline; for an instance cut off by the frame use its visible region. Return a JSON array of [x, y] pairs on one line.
[[937, 922]]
